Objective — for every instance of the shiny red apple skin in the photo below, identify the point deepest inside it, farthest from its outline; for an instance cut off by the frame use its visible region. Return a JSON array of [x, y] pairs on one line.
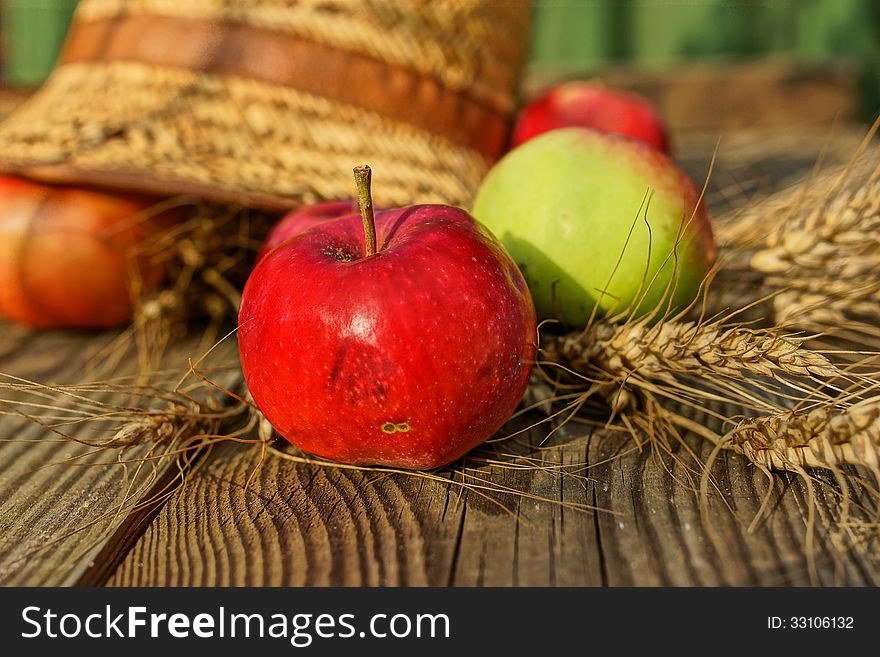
[[304, 218], [408, 358], [591, 105]]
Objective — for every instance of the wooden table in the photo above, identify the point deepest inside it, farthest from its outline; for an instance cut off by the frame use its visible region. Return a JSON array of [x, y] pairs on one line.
[[587, 507]]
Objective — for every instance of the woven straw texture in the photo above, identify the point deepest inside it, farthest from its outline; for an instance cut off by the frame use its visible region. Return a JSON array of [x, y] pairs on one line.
[[167, 128]]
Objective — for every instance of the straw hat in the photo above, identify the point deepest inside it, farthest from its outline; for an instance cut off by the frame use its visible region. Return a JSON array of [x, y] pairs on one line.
[[270, 103]]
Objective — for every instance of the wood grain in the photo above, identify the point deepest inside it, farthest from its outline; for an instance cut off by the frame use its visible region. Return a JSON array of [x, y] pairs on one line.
[[61, 500], [301, 524], [307, 525]]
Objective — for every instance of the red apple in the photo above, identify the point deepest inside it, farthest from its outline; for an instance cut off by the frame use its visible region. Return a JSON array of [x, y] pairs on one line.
[[297, 221], [404, 339], [591, 105]]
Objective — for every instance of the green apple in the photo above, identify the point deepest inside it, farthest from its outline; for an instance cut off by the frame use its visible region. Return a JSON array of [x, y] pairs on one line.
[[596, 219]]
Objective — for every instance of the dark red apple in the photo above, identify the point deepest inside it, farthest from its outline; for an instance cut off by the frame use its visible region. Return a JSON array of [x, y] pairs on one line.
[[402, 340], [591, 105], [302, 219]]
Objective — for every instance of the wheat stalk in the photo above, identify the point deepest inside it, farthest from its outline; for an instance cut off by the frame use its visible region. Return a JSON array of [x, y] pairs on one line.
[[836, 240], [808, 257], [663, 350], [154, 428], [834, 308], [635, 366], [817, 202], [825, 437], [821, 239], [837, 219], [208, 257]]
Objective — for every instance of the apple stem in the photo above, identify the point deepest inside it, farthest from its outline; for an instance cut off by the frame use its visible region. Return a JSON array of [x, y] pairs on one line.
[[362, 176]]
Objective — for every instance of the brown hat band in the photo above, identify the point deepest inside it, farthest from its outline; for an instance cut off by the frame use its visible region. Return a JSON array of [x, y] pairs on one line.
[[288, 60]]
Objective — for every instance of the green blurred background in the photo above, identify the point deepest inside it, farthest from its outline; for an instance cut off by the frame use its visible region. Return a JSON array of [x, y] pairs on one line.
[[32, 31], [580, 35], [659, 34]]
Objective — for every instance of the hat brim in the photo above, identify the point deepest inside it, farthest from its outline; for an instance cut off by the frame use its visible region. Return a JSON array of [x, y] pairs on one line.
[[241, 114], [168, 131]]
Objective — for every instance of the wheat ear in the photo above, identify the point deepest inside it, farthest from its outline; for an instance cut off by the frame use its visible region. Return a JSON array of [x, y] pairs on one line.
[[825, 437], [815, 249], [663, 350]]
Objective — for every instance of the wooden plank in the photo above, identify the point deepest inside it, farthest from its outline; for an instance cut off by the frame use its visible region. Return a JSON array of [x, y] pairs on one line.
[[662, 539], [61, 500], [302, 524], [299, 524]]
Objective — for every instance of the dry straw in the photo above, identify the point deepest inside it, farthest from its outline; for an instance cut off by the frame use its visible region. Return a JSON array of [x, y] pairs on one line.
[[814, 250], [663, 350], [825, 435], [757, 372]]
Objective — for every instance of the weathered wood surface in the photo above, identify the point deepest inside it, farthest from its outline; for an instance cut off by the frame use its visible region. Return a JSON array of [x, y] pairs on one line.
[[60, 500], [490, 521], [490, 525]]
